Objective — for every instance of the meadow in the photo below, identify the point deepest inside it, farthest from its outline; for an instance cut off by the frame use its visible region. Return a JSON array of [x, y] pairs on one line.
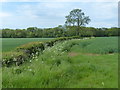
[[9, 44], [76, 63]]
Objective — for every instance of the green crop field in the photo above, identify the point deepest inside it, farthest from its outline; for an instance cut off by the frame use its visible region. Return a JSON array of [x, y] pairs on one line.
[[77, 63], [101, 45], [9, 44]]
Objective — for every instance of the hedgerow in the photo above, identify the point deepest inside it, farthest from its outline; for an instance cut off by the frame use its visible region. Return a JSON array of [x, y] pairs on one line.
[[27, 51], [16, 58]]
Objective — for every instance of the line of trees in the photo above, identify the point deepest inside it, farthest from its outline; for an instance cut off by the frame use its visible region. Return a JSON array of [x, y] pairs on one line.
[[60, 31], [74, 26], [77, 18]]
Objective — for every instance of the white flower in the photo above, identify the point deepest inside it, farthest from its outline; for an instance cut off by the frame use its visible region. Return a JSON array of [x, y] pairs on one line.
[[30, 61], [36, 59], [42, 62], [103, 83], [30, 69]]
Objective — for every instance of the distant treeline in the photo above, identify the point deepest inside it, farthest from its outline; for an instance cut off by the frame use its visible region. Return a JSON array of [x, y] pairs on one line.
[[60, 31]]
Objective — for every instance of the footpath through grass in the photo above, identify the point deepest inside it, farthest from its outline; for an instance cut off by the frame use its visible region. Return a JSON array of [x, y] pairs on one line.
[[9, 44], [66, 66]]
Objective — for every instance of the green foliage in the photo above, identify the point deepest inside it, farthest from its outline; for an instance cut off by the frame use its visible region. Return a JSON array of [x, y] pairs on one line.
[[22, 53], [16, 58], [32, 47], [56, 69], [77, 37], [60, 31], [28, 51], [77, 17], [9, 44]]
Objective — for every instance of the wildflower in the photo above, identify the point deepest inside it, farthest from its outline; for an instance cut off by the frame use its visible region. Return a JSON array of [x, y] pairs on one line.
[[36, 59], [35, 56], [28, 66], [30, 61], [32, 54], [30, 70], [4, 59], [51, 56], [42, 62], [14, 59], [62, 52], [103, 83], [36, 53]]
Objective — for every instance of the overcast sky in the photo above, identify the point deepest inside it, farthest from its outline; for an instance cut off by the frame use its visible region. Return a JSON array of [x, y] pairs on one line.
[[46, 14]]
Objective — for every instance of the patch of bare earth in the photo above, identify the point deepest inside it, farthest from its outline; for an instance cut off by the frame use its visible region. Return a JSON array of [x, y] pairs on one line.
[[91, 54], [72, 54], [111, 54]]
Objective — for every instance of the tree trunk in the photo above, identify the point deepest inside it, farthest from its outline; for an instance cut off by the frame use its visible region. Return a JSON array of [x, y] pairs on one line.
[[78, 27]]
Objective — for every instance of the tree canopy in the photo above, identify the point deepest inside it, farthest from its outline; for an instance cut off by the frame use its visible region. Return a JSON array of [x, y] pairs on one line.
[[74, 26], [77, 17]]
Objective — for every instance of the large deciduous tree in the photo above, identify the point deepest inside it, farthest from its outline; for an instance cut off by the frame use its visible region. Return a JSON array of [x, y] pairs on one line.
[[78, 18]]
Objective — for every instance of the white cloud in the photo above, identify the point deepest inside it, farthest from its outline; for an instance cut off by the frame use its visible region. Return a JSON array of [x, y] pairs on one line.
[[4, 1], [54, 5], [51, 14], [4, 14], [103, 24], [40, 10], [103, 11], [27, 11]]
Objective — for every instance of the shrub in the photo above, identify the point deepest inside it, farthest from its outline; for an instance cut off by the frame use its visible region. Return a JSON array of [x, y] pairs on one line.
[[31, 48], [27, 51], [54, 41], [76, 37], [22, 53], [15, 58], [49, 43]]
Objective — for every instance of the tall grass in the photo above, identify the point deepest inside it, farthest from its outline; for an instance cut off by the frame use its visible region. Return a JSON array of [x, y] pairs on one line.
[[54, 68]]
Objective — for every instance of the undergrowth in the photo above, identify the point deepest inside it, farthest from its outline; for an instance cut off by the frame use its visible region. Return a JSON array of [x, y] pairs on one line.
[[54, 68]]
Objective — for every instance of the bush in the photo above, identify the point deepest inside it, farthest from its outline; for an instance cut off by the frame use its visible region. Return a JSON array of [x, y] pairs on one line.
[[76, 37], [49, 43], [31, 48], [27, 51], [22, 53], [54, 41], [15, 58]]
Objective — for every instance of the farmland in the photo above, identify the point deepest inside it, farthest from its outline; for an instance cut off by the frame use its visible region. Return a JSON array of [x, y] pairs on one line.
[[11, 43], [76, 63], [54, 47]]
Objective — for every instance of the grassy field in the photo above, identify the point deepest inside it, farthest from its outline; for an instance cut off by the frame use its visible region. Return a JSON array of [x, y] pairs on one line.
[[88, 63], [9, 44], [101, 45]]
